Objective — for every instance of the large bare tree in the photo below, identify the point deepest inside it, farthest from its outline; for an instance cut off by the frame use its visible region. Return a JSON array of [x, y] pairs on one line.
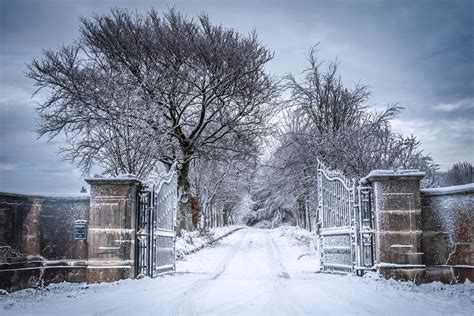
[[185, 87]]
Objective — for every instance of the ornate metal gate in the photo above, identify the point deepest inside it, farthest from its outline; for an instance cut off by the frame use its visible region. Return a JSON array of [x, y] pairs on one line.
[[156, 218], [345, 223]]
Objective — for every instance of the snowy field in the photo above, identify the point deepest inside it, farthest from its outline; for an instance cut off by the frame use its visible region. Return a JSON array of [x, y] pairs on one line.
[[251, 272]]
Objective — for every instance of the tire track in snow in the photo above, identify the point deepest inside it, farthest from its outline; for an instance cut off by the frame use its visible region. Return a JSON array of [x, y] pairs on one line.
[[250, 272], [279, 270], [279, 256], [285, 281], [184, 304]]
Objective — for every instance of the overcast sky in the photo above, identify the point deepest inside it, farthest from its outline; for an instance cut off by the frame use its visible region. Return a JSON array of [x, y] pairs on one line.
[[416, 53]]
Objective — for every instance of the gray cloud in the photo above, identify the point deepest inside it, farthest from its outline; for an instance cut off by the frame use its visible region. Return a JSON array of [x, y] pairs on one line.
[[417, 53]]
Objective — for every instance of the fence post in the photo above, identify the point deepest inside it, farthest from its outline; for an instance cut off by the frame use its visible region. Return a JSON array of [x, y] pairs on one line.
[[111, 228], [398, 231]]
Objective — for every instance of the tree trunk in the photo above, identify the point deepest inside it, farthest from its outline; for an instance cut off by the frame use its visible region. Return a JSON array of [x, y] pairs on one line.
[[225, 216], [205, 218], [211, 216], [196, 211], [185, 207], [308, 215]]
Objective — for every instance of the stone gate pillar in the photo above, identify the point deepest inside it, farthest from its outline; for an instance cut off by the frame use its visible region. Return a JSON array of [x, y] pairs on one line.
[[398, 232], [111, 228]]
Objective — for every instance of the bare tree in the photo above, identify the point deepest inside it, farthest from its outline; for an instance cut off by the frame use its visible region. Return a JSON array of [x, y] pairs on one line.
[[329, 121], [322, 99], [184, 87], [342, 129]]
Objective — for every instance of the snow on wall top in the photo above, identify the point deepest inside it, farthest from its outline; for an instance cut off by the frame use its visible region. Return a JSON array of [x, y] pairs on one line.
[[380, 173], [465, 188], [118, 179]]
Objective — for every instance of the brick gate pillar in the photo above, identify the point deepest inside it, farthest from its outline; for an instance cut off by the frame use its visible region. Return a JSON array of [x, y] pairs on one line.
[[398, 232], [111, 228]]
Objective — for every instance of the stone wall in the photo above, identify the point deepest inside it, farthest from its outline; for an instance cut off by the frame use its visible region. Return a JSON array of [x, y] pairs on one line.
[[38, 244], [37, 240], [448, 233], [422, 235]]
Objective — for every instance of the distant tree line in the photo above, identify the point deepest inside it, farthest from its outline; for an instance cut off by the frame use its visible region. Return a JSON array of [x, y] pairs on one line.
[[460, 173]]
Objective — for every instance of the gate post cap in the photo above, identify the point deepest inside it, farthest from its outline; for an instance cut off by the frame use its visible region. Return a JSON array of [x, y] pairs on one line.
[[387, 175], [121, 179]]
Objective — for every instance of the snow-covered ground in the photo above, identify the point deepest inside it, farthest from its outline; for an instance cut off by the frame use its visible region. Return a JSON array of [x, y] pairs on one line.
[[195, 240], [251, 272]]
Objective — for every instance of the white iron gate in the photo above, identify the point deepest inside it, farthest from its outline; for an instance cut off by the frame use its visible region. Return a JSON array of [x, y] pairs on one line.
[[345, 223], [157, 208]]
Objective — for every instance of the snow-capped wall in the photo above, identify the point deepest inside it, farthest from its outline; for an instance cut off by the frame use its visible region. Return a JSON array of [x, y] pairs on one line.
[[76, 239], [448, 232], [427, 235], [35, 230]]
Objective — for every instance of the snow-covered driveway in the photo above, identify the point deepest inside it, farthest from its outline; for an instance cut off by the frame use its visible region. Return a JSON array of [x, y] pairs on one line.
[[251, 272]]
